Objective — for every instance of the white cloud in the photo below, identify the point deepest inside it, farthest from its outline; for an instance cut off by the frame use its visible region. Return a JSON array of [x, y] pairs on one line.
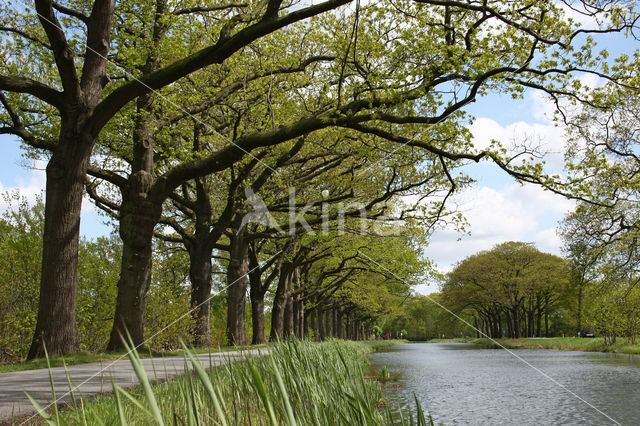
[[515, 213], [547, 138], [542, 107], [548, 241], [30, 188], [34, 185]]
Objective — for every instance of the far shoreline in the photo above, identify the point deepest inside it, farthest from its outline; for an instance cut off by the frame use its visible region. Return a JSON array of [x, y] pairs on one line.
[[584, 344]]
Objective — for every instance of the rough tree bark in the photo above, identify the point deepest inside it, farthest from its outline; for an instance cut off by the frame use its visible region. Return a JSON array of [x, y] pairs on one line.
[[322, 333], [66, 172], [258, 289], [328, 318], [200, 270], [56, 323], [279, 303], [256, 294], [289, 315], [138, 219], [237, 283], [305, 323]]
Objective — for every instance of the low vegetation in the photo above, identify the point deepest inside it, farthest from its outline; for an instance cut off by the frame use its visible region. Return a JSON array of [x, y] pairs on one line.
[[298, 383], [87, 357], [596, 344]]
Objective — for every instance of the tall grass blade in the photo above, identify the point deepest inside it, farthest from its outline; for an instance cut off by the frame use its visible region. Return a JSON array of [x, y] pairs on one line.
[[41, 411], [121, 416], [135, 401], [285, 396], [422, 421], [136, 363], [52, 384], [204, 378], [262, 393]]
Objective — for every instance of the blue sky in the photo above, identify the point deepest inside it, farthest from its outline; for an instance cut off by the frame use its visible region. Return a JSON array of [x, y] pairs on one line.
[[29, 178]]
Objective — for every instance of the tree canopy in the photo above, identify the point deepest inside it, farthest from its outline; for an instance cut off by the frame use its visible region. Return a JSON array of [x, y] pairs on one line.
[[170, 114]]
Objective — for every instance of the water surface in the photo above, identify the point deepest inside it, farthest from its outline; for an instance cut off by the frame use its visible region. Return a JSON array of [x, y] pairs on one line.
[[462, 384]]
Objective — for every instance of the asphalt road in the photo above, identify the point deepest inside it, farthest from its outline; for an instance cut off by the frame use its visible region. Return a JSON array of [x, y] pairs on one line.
[[90, 379]]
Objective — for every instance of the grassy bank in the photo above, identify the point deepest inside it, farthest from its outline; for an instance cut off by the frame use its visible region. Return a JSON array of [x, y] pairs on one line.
[[595, 344], [87, 357], [299, 383], [451, 340]]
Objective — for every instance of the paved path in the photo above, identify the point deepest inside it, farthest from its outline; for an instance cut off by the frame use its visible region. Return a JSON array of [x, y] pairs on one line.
[[91, 379]]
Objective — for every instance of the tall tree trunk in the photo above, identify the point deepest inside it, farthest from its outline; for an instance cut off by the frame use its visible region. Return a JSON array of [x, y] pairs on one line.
[[538, 317], [580, 292], [295, 314], [516, 322], [546, 318], [138, 217], [298, 314], [66, 172], [237, 284], [257, 303], [139, 213], [201, 281], [257, 317], [289, 313], [257, 291], [288, 330], [530, 316], [340, 320], [279, 303], [322, 333], [328, 318], [305, 323]]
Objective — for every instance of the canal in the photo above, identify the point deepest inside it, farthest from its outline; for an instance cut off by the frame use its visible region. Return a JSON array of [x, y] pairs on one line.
[[463, 384]]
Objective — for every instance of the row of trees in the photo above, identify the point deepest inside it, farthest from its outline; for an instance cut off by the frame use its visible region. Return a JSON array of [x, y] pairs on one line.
[[327, 292], [194, 118], [509, 290]]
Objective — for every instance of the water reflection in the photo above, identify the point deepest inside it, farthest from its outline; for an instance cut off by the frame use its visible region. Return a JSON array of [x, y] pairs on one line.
[[462, 384]]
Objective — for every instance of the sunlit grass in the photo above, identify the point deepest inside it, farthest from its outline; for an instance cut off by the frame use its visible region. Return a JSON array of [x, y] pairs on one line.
[[299, 383], [87, 357], [594, 344]]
